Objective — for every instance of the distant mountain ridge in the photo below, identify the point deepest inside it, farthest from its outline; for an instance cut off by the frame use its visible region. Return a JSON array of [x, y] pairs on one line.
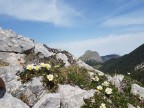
[[128, 63], [94, 57], [108, 57]]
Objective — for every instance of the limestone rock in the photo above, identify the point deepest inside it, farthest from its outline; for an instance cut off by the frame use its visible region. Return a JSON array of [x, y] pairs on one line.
[[117, 81], [51, 100], [130, 106], [8, 101], [137, 90], [13, 85], [72, 97], [31, 91], [42, 51], [82, 64], [64, 58], [8, 73], [11, 42], [13, 59]]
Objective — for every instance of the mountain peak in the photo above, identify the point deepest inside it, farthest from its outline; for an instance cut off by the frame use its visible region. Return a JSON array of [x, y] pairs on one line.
[[91, 55]]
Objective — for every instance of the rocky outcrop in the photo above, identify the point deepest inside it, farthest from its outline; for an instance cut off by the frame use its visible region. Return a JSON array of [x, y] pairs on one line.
[[8, 101], [16, 52], [11, 42], [137, 90], [42, 51], [91, 56], [117, 81], [82, 64], [72, 97], [49, 101]]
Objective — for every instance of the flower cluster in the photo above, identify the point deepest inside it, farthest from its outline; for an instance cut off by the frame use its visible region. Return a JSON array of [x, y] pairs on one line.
[[102, 89], [102, 105], [107, 95], [45, 70], [96, 78], [37, 67]]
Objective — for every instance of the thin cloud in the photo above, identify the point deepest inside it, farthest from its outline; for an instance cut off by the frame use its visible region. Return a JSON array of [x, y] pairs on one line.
[[132, 18], [51, 11], [118, 44]]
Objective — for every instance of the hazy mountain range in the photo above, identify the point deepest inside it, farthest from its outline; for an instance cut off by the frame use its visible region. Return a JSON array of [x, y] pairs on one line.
[[94, 56], [130, 64]]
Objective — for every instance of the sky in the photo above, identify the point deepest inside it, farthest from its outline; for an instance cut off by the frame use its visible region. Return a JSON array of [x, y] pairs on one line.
[[105, 26]]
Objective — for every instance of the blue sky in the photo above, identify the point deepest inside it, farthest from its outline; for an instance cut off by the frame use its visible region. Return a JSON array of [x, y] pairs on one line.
[[106, 26]]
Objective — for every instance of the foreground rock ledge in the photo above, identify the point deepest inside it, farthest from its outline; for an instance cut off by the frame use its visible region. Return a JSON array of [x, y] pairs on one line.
[[8, 101]]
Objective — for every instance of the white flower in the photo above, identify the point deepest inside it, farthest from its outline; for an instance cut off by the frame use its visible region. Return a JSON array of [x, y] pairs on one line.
[[128, 73], [30, 67], [108, 91], [137, 107], [106, 83], [96, 78], [36, 67], [42, 65], [48, 66], [50, 77], [102, 105], [99, 87], [101, 74]]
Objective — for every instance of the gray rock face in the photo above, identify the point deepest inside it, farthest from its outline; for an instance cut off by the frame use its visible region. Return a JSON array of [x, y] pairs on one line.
[[130, 106], [139, 67], [117, 81], [10, 41], [8, 101], [14, 50], [137, 90], [64, 58], [42, 51], [8, 73], [51, 100], [32, 91], [13, 59], [82, 64], [72, 97]]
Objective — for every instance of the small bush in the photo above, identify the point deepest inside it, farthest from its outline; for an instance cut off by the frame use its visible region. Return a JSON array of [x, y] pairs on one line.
[[113, 99], [75, 75]]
